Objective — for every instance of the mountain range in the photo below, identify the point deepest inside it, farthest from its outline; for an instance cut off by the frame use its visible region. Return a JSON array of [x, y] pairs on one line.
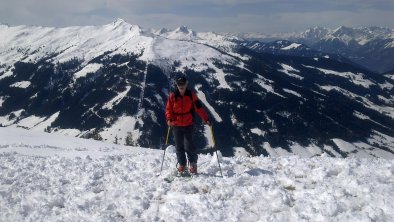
[[111, 83], [371, 47]]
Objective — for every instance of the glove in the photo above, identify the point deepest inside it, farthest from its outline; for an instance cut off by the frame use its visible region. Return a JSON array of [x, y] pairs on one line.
[[169, 122], [208, 123]]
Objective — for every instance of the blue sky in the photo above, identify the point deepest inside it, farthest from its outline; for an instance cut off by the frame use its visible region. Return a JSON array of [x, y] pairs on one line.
[[267, 16]]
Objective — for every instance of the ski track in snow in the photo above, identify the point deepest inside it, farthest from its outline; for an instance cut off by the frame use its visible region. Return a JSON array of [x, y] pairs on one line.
[[47, 177], [143, 85]]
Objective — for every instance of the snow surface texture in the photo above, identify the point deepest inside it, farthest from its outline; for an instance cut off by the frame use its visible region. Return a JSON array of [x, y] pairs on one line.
[[46, 177]]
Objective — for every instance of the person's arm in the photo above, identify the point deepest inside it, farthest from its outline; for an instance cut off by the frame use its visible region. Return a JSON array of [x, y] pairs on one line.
[[169, 110], [199, 108]]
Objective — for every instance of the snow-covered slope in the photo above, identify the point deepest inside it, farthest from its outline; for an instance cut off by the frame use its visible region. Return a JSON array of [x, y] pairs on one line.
[[45, 177]]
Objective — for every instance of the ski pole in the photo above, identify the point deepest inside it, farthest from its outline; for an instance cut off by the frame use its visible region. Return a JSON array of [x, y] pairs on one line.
[[216, 151], [164, 153], [168, 134]]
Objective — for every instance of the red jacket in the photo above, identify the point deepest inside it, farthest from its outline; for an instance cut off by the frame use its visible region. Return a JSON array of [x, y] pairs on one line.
[[179, 109]]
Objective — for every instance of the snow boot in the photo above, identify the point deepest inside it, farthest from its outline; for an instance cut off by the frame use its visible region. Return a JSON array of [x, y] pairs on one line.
[[181, 169], [193, 168]]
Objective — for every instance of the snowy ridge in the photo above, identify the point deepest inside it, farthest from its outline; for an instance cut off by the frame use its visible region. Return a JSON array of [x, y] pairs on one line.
[[111, 182], [119, 37]]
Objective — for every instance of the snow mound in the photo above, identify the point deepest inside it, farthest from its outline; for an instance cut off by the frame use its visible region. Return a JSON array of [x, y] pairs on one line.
[[45, 177]]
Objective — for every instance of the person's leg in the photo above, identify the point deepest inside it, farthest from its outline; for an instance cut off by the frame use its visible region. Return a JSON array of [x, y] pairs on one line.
[[180, 149], [189, 146]]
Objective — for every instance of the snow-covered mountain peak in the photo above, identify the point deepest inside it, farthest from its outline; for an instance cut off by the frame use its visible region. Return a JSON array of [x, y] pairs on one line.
[[314, 33], [119, 21], [123, 25], [184, 29]]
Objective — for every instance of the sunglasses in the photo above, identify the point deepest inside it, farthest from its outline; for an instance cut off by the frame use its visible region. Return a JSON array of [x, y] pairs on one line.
[[181, 83]]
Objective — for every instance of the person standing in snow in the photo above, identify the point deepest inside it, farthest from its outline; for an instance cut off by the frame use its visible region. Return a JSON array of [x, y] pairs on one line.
[[180, 108]]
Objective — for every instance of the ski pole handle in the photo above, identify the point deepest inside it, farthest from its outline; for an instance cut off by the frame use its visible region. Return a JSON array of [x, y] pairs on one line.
[[168, 134], [213, 138]]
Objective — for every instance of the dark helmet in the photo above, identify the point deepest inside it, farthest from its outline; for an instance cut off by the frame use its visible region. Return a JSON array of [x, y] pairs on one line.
[[180, 79]]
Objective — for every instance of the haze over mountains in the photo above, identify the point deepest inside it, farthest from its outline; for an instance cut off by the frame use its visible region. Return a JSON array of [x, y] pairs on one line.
[[111, 83]]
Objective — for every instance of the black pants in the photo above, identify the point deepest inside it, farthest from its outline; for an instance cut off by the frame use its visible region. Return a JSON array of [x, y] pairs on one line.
[[183, 136]]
